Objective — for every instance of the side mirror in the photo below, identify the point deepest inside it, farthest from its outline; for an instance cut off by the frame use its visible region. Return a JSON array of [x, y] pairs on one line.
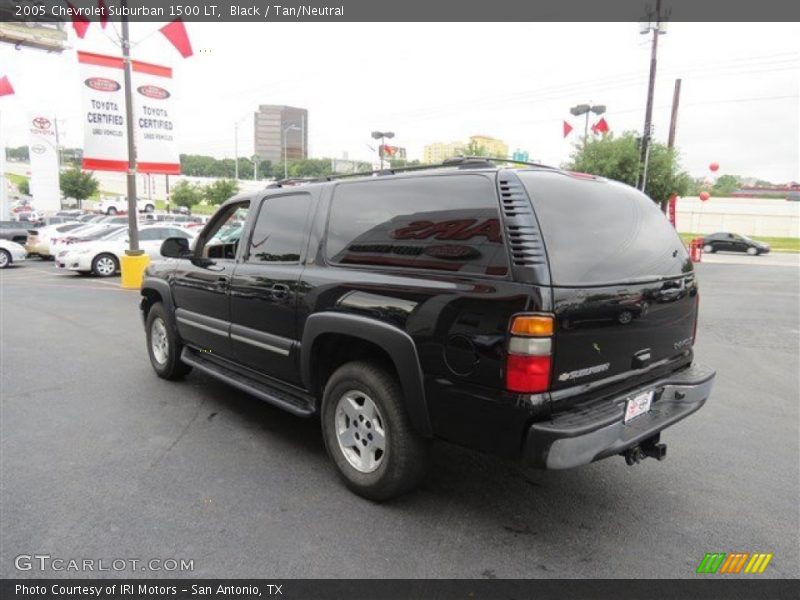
[[175, 247]]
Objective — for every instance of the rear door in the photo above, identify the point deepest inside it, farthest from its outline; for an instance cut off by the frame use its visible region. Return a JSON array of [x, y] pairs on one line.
[[623, 287], [264, 287]]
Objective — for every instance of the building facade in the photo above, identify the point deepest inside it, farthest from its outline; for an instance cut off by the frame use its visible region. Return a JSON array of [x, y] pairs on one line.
[[276, 123], [492, 146], [439, 151]]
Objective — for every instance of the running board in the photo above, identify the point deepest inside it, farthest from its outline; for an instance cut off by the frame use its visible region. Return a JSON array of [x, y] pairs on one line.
[[297, 405]]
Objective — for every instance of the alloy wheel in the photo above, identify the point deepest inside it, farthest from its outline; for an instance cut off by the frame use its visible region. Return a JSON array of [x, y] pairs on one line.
[[360, 431], [159, 342]]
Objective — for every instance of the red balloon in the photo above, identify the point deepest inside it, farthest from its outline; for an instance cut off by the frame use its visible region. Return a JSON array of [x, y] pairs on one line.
[[704, 196], [714, 166]]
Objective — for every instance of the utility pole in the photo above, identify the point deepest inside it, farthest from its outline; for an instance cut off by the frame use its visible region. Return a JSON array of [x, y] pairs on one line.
[[236, 150], [655, 27], [673, 121], [133, 229]]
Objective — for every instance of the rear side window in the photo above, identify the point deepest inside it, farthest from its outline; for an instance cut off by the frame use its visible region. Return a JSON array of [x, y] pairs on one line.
[[279, 231], [443, 223], [599, 232]]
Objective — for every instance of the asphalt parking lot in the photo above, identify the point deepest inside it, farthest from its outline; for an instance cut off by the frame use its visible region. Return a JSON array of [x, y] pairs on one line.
[[101, 459]]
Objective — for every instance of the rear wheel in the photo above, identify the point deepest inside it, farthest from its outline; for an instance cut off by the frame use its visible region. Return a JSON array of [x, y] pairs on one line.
[[111, 210], [708, 249], [5, 258], [105, 265], [149, 208], [368, 434], [163, 346]]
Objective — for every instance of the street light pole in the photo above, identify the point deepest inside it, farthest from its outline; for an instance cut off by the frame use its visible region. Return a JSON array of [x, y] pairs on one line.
[[585, 109], [133, 229], [236, 150], [382, 135]]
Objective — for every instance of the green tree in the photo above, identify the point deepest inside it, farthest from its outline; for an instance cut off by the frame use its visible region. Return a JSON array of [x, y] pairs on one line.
[[24, 187], [474, 149], [725, 185], [186, 194], [217, 192], [77, 184], [618, 158]]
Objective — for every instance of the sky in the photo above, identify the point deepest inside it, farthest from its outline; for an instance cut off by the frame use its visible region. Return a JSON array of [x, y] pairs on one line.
[[429, 82]]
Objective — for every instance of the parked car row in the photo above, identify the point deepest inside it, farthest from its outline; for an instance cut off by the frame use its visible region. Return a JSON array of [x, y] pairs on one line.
[[100, 252]]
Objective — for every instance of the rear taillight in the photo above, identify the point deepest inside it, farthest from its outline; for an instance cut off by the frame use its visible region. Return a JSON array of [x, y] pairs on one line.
[[530, 350]]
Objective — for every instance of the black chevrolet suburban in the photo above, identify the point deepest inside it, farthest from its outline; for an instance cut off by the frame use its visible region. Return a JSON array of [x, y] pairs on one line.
[[527, 312]]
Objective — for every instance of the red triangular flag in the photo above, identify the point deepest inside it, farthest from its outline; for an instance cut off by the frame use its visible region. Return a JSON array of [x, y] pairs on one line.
[[79, 23], [101, 6], [175, 32], [5, 87], [567, 128], [601, 126]]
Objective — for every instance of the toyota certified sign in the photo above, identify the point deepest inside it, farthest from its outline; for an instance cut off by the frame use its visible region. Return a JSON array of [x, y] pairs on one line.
[[153, 91], [41, 123], [102, 84]]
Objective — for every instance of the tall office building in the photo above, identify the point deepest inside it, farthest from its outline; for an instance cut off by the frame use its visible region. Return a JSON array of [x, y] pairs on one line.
[[273, 123]]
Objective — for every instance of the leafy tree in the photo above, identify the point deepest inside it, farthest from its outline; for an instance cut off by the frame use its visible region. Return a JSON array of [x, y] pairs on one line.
[[725, 185], [77, 184], [24, 187], [217, 192], [474, 149], [19, 154], [618, 158], [186, 194]]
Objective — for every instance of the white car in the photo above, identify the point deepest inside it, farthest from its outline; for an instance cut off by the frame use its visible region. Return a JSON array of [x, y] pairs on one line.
[[118, 204], [59, 245], [39, 240], [102, 256], [11, 252]]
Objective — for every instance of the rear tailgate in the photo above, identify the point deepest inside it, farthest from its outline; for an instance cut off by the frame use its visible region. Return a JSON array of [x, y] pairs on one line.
[[623, 286]]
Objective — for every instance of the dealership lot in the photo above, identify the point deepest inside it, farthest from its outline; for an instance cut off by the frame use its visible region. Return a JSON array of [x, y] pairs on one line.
[[101, 459]]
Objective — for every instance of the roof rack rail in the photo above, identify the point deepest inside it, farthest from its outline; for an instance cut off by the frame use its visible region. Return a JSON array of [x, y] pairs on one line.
[[461, 162]]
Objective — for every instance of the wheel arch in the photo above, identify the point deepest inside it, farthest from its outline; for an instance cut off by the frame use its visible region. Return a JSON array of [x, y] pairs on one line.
[[394, 343], [157, 290]]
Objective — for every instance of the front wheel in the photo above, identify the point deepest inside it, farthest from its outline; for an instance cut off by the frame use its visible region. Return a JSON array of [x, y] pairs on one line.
[[149, 208], [752, 251], [5, 258], [163, 346], [111, 210], [368, 434]]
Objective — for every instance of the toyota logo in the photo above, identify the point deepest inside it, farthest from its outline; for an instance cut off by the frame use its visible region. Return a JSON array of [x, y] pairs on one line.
[[38, 149], [41, 123]]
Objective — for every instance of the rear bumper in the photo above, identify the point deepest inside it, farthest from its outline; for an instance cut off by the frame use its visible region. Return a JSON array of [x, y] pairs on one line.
[[596, 430]]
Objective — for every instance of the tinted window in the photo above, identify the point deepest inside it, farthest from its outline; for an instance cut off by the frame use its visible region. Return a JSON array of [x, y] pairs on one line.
[[153, 233], [171, 232], [598, 231], [279, 232], [447, 223]]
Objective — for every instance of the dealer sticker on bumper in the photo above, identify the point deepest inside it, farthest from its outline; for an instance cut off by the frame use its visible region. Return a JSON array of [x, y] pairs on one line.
[[638, 405]]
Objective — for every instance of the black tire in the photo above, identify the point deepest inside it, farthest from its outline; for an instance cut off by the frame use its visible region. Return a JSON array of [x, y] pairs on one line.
[[99, 271], [149, 208], [708, 249], [405, 460], [5, 259], [172, 368], [111, 210]]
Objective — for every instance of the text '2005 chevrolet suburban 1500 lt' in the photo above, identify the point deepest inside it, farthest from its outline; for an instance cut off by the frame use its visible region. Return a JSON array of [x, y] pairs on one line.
[[527, 312]]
